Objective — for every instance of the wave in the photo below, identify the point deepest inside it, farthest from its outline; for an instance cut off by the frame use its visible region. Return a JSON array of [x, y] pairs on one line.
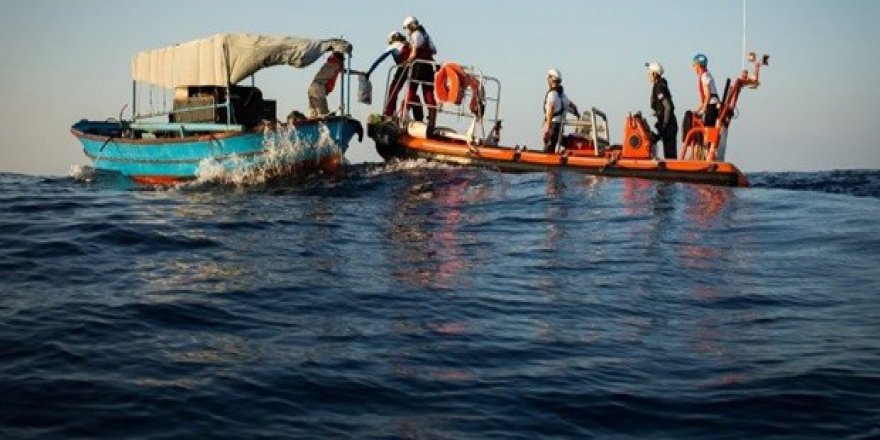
[[860, 183], [856, 182]]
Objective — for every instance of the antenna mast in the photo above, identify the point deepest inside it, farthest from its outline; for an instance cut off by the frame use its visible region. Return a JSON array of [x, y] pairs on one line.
[[743, 57]]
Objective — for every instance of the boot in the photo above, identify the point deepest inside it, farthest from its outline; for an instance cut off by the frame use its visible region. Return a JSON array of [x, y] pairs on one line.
[[418, 112], [432, 120]]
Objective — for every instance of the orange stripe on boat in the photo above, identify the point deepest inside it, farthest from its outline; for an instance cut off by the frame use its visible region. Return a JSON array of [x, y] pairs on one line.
[[158, 180]]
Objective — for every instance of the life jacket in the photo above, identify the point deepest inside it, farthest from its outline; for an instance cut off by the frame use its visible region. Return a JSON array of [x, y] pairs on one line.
[[402, 54], [427, 50], [713, 93], [562, 99]]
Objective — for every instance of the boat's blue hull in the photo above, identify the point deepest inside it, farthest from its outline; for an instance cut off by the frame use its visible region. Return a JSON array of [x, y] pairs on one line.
[[311, 146]]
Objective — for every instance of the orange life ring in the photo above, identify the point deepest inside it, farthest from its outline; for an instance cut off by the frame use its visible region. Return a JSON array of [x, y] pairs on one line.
[[448, 83]]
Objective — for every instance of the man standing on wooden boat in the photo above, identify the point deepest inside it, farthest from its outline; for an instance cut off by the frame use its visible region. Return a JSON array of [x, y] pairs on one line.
[[664, 110], [421, 49], [556, 105], [323, 85], [398, 49]]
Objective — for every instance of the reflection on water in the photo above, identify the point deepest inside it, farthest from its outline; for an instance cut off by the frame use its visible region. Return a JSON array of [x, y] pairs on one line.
[[188, 280], [705, 211], [535, 305], [689, 247], [556, 212], [206, 348], [426, 232]]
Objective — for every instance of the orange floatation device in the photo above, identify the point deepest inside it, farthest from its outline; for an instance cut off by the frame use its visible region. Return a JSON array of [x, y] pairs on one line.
[[448, 83], [451, 82]]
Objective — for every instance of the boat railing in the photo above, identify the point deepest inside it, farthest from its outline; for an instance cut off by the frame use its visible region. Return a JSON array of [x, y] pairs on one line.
[[229, 111], [165, 112], [226, 105], [593, 124], [488, 96]]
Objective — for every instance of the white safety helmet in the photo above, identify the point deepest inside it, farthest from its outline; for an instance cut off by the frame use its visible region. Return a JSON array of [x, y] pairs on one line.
[[555, 73], [409, 20], [655, 67]]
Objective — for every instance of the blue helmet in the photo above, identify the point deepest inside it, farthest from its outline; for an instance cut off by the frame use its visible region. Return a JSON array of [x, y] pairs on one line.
[[701, 60]]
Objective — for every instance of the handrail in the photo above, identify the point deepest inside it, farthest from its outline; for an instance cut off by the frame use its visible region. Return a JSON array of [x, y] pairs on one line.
[[135, 116], [594, 114], [490, 114], [184, 126]]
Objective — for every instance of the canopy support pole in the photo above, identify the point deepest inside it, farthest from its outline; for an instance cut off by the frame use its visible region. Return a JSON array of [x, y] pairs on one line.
[[228, 106], [133, 99]]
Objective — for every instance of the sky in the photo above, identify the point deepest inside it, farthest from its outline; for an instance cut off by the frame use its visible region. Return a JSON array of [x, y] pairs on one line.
[[815, 110]]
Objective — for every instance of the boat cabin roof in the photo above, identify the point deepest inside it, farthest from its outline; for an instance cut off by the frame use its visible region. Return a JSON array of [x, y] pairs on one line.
[[227, 59]]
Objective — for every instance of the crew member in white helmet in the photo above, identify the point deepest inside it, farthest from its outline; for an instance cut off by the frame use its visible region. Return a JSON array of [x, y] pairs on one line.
[[556, 105], [421, 49], [664, 110]]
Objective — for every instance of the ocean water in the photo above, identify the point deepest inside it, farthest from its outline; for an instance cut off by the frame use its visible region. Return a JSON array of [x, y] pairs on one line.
[[422, 301]]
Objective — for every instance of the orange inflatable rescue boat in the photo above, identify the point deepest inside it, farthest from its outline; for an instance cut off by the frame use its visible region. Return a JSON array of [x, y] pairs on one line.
[[462, 93]]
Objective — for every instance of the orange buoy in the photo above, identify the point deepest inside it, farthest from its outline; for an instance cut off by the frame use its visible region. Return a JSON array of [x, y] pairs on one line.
[[448, 83]]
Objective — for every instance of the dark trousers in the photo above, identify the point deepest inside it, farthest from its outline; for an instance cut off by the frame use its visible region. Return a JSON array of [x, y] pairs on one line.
[[553, 138], [394, 90], [412, 99], [425, 74], [711, 115], [669, 136]]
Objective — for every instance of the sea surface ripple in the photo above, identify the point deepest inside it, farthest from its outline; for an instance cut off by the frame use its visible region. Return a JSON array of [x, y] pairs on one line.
[[421, 301]]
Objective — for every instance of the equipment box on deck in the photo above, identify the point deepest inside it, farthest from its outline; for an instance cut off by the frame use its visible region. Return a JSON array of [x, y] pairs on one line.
[[207, 102], [270, 111], [195, 109]]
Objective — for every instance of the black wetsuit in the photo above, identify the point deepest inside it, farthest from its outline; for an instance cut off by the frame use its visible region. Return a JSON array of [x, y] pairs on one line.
[[664, 111]]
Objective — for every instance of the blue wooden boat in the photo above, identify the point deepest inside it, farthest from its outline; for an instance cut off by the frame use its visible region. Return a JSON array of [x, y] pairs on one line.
[[216, 127]]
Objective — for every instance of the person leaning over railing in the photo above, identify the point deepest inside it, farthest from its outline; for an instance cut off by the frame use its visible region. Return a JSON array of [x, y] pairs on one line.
[[399, 50], [323, 84]]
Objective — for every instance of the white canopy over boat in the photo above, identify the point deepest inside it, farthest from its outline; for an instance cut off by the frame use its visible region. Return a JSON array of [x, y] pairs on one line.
[[225, 59]]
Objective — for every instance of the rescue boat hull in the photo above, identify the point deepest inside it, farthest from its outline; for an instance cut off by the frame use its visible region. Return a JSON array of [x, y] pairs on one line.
[[391, 144]]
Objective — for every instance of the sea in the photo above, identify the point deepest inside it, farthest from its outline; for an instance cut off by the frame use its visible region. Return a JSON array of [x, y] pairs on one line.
[[417, 301]]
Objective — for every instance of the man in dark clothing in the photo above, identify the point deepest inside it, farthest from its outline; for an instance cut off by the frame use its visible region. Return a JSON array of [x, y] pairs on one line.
[[664, 110]]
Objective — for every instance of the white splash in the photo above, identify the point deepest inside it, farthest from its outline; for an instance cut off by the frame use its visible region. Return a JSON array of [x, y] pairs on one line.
[[82, 173], [396, 166], [284, 153]]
